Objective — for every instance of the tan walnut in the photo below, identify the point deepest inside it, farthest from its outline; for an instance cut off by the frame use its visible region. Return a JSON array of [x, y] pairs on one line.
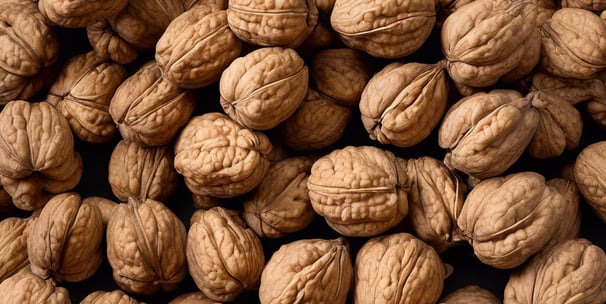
[[146, 247], [508, 219], [65, 240], [264, 87], [24, 287], [272, 23], [572, 90], [337, 79], [470, 294], [30, 47], [590, 178], [108, 44], [105, 205], [13, 245], [196, 47], [79, 13], [570, 225], [308, 271], [280, 204], [398, 268], [149, 109], [403, 103], [224, 256], [142, 172], [592, 5], [385, 29], [82, 92], [37, 157], [108, 297], [486, 133], [572, 272], [359, 190]]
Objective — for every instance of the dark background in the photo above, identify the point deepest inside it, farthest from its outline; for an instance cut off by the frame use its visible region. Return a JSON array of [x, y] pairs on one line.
[[467, 269]]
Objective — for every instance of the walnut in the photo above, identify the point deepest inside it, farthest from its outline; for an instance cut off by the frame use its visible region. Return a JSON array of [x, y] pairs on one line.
[[572, 272], [65, 240], [470, 294], [219, 158], [108, 297], [592, 5], [523, 216], [272, 23], [146, 247], [37, 157], [589, 176], [360, 191], [280, 204], [29, 47], [108, 44], [479, 43], [13, 245], [224, 256], [264, 87], [25, 287], [571, 44], [308, 271], [149, 109], [404, 102], [572, 90], [194, 297], [485, 133], [434, 202], [385, 29], [142, 172], [196, 47], [82, 92], [570, 225], [398, 268], [79, 13], [106, 207]]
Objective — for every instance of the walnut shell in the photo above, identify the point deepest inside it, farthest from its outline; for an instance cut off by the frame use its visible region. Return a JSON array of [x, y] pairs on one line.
[[485, 133], [106, 207], [308, 271], [108, 44], [571, 45], [570, 225], [280, 204], [385, 29], [146, 247], [194, 297], [398, 268], [108, 297], [263, 88], [572, 272], [272, 23], [82, 92], [592, 5], [25, 287], [360, 191], [404, 102], [589, 176], [435, 201], [470, 294], [574, 91], [65, 240], [523, 216], [142, 172], [13, 245], [224, 256], [149, 109], [79, 13], [37, 157], [196, 47], [219, 158]]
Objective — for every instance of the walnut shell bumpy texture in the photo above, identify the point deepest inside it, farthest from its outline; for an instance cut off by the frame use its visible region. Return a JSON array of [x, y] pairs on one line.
[[149, 109], [572, 272], [264, 87], [398, 268], [360, 191], [108, 297], [108, 44], [14, 232], [74, 14], [590, 178], [470, 294], [82, 92], [592, 5], [37, 157], [308, 271], [146, 247], [220, 158], [224, 256], [385, 29], [24, 287], [196, 47], [507, 219], [280, 204], [404, 102], [570, 225], [142, 172]]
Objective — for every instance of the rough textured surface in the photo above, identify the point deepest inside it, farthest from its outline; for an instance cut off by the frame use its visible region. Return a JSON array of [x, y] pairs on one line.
[[27, 288], [592, 5], [570, 225], [574, 91], [589, 176], [79, 13], [398, 268], [470, 294], [108, 44], [308, 271], [13, 245], [105, 205], [109, 297], [224, 256], [195, 297]]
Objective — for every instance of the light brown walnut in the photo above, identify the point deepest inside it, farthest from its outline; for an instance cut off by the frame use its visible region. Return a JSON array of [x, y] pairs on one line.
[[592, 5], [79, 13], [108, 44], [589, 176], [105, 205], [470, 294], [13, 245], [574, 91], [570, 225], [24, 287]]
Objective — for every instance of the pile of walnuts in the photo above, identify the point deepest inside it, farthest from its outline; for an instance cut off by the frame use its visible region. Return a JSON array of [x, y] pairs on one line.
[[319, 151]]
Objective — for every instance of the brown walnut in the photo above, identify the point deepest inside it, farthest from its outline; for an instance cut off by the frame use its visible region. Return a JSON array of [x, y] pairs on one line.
[[24, 287], [13, 245]]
